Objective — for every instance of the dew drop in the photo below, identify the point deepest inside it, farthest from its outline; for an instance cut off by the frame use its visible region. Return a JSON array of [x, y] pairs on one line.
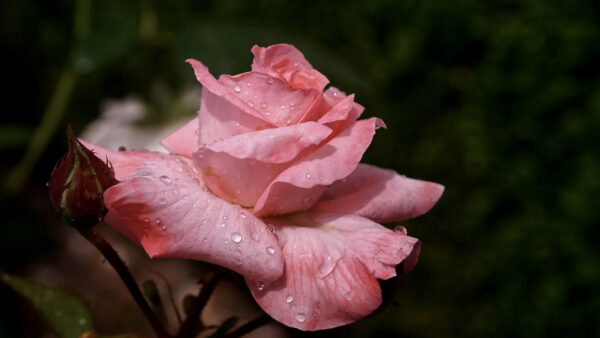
[[270, 251], [300, 317], [400, 229], [263, 105], [47, 184], [223, 225], [326, 267], [282, 107], [270, 81], [248, 84], [236, 237], [243, 215], [165, 179], [157, 220], [289, 299], [164, 227], [204, 221], [308, 175], [260, 285], [288, 121], [237, 89], [251, 104]]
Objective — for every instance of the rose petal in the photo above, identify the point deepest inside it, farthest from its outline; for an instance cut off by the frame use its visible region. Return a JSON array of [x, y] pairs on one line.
[[298, 187], [332, 263], [184, 141], [278, 145], [123, 162], [273, 98], [286, 62], [380, 195], [222, 114], [345, 110], [172, 215], [241, 167]]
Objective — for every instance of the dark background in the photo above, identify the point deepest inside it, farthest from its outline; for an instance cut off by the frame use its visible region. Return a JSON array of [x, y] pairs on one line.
[[497, 100]]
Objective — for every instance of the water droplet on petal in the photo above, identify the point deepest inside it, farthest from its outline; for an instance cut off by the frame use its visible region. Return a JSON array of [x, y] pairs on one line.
[[165, 179], [263, 105], [260, 285], [326, 267], [157, 220], [237, 89], [300, 317], [236, 237], [289, 299], [270, 251], [270, 81], [401, 229], [308, 175], [243, 215]]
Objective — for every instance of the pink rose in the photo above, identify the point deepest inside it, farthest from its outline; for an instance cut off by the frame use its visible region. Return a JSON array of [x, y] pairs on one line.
[[266, 181]]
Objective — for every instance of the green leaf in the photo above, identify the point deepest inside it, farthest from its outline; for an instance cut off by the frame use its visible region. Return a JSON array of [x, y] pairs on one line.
[[66, 314]]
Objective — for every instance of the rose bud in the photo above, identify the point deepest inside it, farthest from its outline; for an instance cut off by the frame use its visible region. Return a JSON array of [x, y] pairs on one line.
[[77, 185]]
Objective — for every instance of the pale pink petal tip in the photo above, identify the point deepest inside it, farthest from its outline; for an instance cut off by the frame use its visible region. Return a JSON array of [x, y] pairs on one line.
[[287, 63], [380, 195], [183, 141]]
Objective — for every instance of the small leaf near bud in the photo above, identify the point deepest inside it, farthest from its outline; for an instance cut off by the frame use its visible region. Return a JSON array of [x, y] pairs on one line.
[[77, 185]]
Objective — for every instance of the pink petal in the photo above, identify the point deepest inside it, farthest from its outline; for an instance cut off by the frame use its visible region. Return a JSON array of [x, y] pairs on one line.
[[184, 141], [286, 62], [241, 167], [332, 263], [345, 110], [380, 195], [123, 162], [172, 215], [298, 187], [273, 98], [278, 145], [222, 114]]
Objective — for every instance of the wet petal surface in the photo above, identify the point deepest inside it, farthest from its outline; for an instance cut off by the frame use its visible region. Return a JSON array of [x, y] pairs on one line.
[[332, 263]]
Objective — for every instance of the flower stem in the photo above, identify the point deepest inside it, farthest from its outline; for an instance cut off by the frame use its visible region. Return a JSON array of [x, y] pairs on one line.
[[249, 326], [115, 261], [191, 321]]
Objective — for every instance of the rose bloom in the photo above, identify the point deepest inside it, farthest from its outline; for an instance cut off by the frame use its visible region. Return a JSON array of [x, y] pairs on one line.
[[266, 181]]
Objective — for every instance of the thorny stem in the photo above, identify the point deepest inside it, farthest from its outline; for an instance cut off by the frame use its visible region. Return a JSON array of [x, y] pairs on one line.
[[115, 261], [191, 321], [249, 326]]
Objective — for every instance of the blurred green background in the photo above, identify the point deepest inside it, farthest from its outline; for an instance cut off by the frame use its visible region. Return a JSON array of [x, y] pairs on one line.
[[498, 100]]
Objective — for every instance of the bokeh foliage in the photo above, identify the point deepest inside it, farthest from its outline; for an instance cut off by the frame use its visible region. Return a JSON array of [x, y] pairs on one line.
[[497, 100]]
